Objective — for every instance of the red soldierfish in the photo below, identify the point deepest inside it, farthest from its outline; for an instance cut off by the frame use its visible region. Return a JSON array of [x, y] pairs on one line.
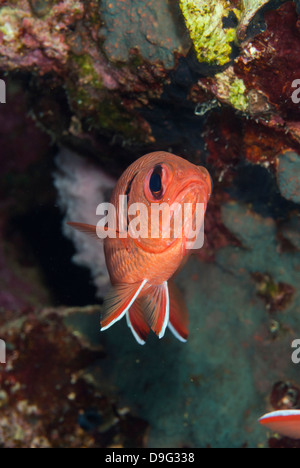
[[286, 422], [140, 267]]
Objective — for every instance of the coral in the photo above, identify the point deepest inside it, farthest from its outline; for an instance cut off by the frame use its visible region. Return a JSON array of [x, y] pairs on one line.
[[249, 10], [47, 398], [215, 26], [233, 140], [256, 64], [228, 88], [277, 296], [204, 21], [259, 82], [75, 43], [285, 395], [81, 187], [32, 43]]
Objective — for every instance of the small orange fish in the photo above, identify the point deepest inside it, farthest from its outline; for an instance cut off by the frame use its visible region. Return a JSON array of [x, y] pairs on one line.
[[285, 422], [140, 267]]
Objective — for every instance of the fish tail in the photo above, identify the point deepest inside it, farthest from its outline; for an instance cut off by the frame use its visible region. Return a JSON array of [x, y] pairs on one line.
[[156, 306], [159, 306], [150, 312], [118, 301], [137, 322], [179, 319]]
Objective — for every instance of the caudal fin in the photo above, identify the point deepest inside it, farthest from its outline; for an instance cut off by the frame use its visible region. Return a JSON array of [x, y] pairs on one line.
[[137, 322], [156, 307], [118, 301], [179, 319], [149, 312]]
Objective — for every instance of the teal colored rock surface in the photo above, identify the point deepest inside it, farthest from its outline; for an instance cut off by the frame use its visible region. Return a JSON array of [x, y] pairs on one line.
[[158, 35], [291, 231], [289, 176]]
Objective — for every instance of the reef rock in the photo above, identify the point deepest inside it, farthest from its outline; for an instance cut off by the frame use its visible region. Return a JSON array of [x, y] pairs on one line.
[[110, 63], [48, 399], [289, 176]]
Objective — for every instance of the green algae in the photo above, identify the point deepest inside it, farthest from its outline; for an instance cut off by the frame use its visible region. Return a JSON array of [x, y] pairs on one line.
[[232, 90], [237, 96], [87, 73], [112, 116], [205, 22]]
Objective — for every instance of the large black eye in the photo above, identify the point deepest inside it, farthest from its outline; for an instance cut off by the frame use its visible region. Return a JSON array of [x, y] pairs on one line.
[[155, 184]]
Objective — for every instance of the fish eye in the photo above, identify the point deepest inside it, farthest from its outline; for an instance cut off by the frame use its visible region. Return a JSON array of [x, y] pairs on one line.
[[155, 182]]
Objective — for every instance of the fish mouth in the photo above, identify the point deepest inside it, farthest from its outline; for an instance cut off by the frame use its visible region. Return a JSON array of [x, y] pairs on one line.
[[195, 194], [194, 186]]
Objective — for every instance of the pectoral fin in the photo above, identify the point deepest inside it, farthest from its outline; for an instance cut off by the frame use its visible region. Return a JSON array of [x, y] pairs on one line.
[[94, 231]]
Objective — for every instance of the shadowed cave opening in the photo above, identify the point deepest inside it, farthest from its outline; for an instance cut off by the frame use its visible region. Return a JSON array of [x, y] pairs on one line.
[[41, 232]]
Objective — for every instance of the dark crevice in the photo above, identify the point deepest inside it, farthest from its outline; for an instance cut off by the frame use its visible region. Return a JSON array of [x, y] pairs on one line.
[[41, 231], [257, 186]]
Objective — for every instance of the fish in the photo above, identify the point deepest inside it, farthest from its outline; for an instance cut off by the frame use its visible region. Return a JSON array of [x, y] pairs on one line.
[[285, 422], [142, 267]]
